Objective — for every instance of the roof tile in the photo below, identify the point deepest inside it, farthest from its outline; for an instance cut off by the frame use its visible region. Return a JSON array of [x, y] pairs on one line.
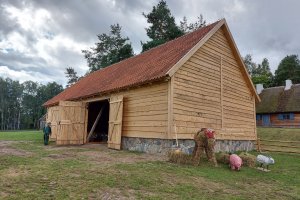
[[145, 67]]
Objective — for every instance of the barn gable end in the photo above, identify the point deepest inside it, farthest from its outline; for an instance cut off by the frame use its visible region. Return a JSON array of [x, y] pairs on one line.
[[211, 90]]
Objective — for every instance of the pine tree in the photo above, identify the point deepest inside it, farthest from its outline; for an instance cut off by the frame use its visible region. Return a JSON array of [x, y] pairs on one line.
[[250, 65], [190, 27], [71, 75], [162, 26], [111, 48]]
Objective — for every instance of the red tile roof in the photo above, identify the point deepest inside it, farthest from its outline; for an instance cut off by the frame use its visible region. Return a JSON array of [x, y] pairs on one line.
[[145, 67]]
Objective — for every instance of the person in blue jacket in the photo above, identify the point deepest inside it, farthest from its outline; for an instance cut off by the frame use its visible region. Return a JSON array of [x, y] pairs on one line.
[[47, 133]]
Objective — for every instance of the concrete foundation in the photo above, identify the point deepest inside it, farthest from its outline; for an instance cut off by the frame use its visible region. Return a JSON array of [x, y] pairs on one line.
[[163, 146]]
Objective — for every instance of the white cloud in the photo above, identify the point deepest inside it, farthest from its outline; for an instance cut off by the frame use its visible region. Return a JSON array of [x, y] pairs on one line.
[[22, 75], [29, 18], [16, 42], [41, 43]]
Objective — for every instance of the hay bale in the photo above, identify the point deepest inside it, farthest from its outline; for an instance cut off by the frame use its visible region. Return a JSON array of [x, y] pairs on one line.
[[248, 159], [223, 158], [179, 157]]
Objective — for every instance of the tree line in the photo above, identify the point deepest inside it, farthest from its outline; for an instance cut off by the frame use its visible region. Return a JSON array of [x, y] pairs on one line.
[[21, 103], [288, 68]]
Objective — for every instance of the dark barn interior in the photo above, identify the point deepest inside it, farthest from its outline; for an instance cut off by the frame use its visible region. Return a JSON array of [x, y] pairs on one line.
[[100, 132]]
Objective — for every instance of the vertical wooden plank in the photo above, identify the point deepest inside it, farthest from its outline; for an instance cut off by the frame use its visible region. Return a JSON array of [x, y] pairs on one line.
[[85, 124], [221, 92], [170, 108]]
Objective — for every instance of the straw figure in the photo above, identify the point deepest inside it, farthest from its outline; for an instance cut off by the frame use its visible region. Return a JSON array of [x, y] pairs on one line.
[[204, 140]]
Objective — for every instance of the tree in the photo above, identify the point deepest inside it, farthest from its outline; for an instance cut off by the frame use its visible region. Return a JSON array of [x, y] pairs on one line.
[[44, 93], [288, 68], [189, 27], [163, 27], [29, 104], [71, 75], [262, 74], [250, 65], [110, 49]]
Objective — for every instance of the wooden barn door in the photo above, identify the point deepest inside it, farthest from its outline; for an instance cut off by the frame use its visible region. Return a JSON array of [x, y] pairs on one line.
[[115, 122], [71, 128], [53, 117]]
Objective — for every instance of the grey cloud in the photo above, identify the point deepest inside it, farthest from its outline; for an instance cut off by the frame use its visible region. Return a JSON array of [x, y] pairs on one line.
[[261, 28], [7, 25], [18, 61]]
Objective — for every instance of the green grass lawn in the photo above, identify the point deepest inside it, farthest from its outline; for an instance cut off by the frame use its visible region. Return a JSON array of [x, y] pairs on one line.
[[36, 136], [30, 170]]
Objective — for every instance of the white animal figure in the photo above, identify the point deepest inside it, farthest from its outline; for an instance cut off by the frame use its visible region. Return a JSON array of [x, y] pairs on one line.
[[265, 160]]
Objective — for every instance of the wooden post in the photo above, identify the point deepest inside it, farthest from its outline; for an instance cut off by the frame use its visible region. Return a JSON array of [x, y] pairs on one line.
[[86, 124], [95, 124], [254, 115], [258, 148]]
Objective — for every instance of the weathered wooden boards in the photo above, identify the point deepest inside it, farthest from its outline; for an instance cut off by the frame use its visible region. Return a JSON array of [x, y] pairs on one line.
[[68, 122], [115, 122], [285, 123], [210, 91], [53, 117], [145, 111]]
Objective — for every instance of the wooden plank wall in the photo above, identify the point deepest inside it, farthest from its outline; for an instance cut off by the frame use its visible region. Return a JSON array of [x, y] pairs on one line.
[[72, 128], [145, 112], [210, 91], [285, 123], [53, 117], [275, 122]]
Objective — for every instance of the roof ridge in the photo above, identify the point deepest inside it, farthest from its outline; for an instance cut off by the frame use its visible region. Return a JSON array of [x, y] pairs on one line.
[[184, 35], [296, 84], [273, 87], [150, 50], [141, 68]]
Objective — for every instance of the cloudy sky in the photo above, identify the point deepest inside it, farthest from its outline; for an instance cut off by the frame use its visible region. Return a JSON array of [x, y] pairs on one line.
[[39, 38]]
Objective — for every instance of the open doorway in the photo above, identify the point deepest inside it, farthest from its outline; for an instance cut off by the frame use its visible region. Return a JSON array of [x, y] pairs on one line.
[[100, 131]]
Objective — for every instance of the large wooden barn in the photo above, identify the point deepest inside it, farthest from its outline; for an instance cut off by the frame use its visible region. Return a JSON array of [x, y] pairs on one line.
[[167, 93]]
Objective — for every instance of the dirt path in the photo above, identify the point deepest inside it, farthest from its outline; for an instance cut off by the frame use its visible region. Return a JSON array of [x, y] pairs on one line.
[[7, 149], [99, 153]]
